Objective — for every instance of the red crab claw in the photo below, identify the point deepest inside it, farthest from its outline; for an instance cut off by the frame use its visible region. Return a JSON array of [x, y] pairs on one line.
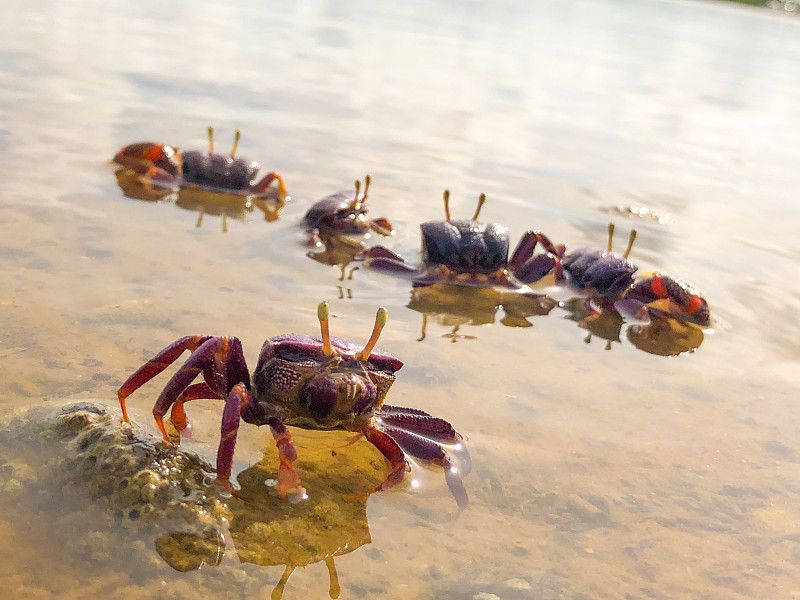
[[164, 158], [659, 295], [382, 226]]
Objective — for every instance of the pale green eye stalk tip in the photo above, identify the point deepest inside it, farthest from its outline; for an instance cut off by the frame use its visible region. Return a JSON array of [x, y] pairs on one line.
[[382, 317], [323, 311]]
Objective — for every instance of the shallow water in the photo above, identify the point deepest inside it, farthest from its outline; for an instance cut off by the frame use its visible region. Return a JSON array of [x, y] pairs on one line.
[[597, 474]]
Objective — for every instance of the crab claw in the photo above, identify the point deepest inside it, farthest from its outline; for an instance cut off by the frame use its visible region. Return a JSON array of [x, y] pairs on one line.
[[161, 156], [186, 432], [661, 295], [528, 267], [536, 268], [382, 226]]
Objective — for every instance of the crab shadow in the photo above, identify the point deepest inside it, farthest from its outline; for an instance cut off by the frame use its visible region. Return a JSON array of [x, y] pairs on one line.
[[266, 530], [454, 306], [205, 202], [66, 470], [338, 251]]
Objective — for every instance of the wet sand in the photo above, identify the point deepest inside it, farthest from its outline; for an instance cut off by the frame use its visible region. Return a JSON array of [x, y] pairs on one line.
[[597, 474]]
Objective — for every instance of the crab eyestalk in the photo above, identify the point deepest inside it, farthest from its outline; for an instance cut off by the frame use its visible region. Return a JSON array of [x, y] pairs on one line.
[[631, 239], [610, 236], [367, 181], [323, 313], [481, 200], [447, 205], [380, 322], [355, 204], [211, 140], [236, 139]]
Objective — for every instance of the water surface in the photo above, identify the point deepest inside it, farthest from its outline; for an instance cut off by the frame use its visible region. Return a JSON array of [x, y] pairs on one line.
[[597, 474]]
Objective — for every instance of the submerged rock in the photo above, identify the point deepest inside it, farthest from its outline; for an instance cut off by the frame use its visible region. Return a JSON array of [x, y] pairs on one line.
[[84, 473], [135, 476]]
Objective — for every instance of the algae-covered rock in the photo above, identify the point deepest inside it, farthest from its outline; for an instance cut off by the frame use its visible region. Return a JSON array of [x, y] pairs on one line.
[[85, 446], [82, 458]]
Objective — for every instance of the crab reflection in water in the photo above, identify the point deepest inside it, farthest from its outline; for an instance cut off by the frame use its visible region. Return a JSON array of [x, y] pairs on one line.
[[453, 305], [337, 251], [206, 182], [266, 531], [214, 203]]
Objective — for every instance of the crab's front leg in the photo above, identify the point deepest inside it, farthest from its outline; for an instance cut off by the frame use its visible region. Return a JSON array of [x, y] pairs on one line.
[[240, 405], [156, 365], [266, 181], [288, 478], [382, 226], [421, 447], [384, 260], [151, 175], [392, 452], [529, 268], [153, 163], [220, 360]]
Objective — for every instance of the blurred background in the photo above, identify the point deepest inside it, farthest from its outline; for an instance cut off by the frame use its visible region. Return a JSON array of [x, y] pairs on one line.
[[603, 466]]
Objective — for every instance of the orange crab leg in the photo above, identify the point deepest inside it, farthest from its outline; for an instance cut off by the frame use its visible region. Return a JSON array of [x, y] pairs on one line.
[[392, 452], [195, 391], [288, 478], [262, 185]]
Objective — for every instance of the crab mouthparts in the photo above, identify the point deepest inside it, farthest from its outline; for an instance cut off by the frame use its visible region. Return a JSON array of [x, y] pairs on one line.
[[353, 387]]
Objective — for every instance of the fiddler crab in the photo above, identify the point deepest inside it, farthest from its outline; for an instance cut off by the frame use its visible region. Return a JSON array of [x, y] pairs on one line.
[[608, 279], [343, 213], [467, 252], [165, 166], [318, 383]]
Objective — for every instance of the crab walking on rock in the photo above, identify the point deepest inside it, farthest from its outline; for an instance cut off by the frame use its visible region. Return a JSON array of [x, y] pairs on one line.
[[308, 382]]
